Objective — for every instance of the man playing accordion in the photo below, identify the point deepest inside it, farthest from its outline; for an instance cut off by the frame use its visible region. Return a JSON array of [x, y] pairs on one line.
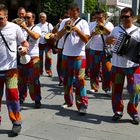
[[122, 66]]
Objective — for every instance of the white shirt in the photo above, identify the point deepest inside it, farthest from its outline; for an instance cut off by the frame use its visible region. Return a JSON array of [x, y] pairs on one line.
[[45, 28], [120, 61], [33, 44], [12, 33], [61, 40], [74, 46], [96, 41]]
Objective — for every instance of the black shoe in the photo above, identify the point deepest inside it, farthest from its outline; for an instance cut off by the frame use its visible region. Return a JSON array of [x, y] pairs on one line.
[[37, 104], [16, 129], [21, 101], [60, 84], [116, 117], [82, 111], [136, 119]]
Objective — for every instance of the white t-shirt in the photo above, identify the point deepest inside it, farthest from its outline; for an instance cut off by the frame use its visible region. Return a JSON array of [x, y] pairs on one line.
[[61, 40], [120, 61], [12, 33], [96, 41], [74, 46], [45, 28], [33, 44]]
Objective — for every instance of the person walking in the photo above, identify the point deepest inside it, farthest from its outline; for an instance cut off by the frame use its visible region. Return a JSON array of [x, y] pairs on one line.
[[76, 32], [122, 67], [99, 29], [44, 46], [10, 33], [29, 73]]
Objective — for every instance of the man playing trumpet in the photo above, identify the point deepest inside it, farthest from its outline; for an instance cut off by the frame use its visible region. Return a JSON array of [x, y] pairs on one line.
[[99, 30], [73, 59]]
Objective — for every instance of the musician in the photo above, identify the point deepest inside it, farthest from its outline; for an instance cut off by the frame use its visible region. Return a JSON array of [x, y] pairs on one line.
[[21, 13], [73, 59], [97, 55], [46, 27], [8, 66], [122, 67], [29, 73]]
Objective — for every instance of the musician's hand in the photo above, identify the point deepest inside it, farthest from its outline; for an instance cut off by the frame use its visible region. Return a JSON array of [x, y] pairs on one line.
[[110, 40], [52, 36], [94, 33], [23, 25], [74, 28]]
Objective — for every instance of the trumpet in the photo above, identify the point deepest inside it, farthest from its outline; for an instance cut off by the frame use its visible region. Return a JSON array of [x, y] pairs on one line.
[[68, 28], [18, 21], [69, 25], [99, 29]]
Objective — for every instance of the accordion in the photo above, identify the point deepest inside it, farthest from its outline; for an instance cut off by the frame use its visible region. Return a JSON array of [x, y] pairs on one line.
[[128, 47]]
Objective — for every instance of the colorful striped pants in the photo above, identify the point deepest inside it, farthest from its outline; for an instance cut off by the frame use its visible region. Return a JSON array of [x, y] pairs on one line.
[[98, 61], [59, 65], [133, 87], [9, 78], [87, 71], [48, 58], [29, 77], [74, 66]]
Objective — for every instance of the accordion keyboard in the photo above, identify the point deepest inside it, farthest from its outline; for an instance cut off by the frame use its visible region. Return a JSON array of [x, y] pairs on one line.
[[122, 41]]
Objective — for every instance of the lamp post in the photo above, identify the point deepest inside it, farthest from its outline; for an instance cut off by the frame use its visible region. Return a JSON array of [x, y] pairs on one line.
[[136, 6]]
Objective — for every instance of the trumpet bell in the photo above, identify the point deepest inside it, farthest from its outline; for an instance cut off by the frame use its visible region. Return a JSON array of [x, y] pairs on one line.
[[47, 36], [68, 28], [18, 21]]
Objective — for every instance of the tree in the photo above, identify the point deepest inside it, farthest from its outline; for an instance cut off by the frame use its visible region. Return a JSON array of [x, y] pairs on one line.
[[55, 9], [91, 6]]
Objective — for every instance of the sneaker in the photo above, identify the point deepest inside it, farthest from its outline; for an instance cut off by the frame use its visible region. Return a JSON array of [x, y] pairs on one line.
[[16, 129], [82, 111], [37, 104], [108, 93], [60, 84], [136, 119], [93, 90], [65, 105], [116, 117]]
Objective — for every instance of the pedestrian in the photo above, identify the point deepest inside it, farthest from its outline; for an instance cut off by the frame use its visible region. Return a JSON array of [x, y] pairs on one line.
[[99, 29], [60, 50], [44, 45], [10, 33], [76, 32], [29, 73], [21, 12], [122, 67]]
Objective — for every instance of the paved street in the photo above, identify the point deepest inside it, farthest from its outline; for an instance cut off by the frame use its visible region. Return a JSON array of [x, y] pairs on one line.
[[51, 122]]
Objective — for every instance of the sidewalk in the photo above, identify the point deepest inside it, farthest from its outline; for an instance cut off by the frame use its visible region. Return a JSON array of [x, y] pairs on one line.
[[51, 122]]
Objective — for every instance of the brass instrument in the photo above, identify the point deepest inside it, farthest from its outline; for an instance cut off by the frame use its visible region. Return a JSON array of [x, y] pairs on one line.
[[99, 29], [18, 21], [69, 25]]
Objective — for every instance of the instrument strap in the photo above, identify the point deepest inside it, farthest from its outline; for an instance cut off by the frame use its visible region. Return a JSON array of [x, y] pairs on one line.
[[6, 42], [130, 32], [69, 33], [28, 34]]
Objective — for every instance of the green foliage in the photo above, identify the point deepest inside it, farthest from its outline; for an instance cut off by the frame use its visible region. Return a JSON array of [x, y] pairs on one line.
[[93, 5], [55, 8], [90, 6]]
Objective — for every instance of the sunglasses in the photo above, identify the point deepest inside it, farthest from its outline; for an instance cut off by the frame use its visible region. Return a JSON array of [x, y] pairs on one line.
[[125, 17], [27, 17]]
